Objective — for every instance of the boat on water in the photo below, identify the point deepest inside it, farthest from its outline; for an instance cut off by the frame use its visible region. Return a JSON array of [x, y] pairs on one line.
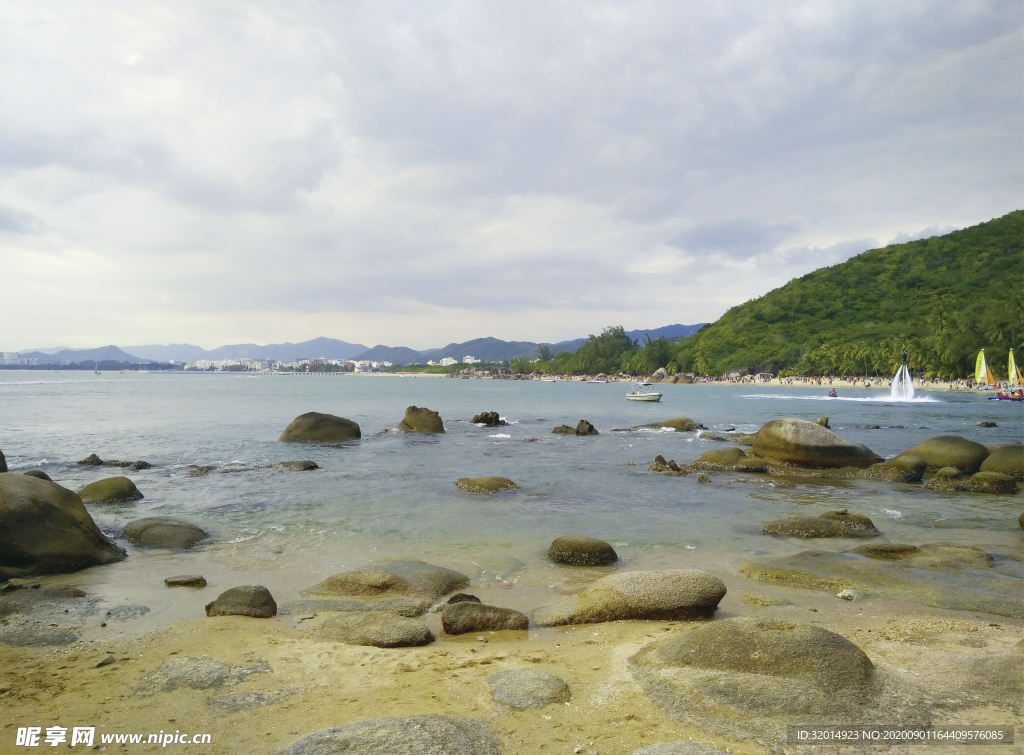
[[1017, 395], [643, 392], [548, 380], [599, 379], [982, 374]]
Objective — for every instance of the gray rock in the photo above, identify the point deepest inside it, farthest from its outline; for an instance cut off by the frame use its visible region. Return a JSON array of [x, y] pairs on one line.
[[108, 661], [462, 597], [851, 595], [36, 636], [45, 529], [408, 607], [246, 600], [583, 427], [490, 419], [163, 532], [314, 427], [465, 617], [808, 444], [949, 451], [677, 748], [127, 612], [652, 595], [38, 474], [92, 460], [374, 628], [987, 424], [304, 465], [238, 702], [417, 735], [580, 550], [186, 580], [110, 490], [196, 672], [417, 578], [421, 420], [528, 688]]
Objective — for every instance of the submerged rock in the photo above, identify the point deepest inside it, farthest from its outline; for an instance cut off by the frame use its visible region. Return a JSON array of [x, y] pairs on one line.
[[1005, 459], [808, 444], [831, 524], [45, 529], [485, 484], [653, 595], [679, 424], [186, 580], [490, 419], [465, 617], [949, 451], [418, 735], [392, 578], [314, 427], [579, 550], [245, 600], [906, 469], [408, 607], [980, 482], [722, 457], [527, 688], [36, 636], [92, 460], [303, 465], [421, 420], [376, 629], [196, 672], [110, 490], [957, 577], [38, 474], [163, 532]]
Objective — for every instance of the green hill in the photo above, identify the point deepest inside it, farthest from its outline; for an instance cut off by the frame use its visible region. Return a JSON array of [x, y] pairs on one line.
[[941, 298]]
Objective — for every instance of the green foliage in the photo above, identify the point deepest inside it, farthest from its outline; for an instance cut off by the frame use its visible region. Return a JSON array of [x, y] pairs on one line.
[[543, 352], [941, 298]]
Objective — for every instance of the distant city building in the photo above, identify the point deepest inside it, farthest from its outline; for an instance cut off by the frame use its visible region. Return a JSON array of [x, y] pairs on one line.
[[447, 361], [470, 360], [431, 363]]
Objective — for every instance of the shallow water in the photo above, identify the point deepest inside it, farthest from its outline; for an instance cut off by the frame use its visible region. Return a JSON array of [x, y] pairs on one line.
[[393, 496]]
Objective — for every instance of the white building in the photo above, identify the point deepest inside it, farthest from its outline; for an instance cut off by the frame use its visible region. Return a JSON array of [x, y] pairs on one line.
[[9, 357], [431, 363], [470, 360], [448, 361]]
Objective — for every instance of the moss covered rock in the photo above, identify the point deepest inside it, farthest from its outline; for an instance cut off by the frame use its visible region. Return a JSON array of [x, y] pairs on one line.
[[485, 484], [421, 420], [1005, 459], [392, 579], [722, 457], [831, 524], [163, 532], [808, 444], [465, 617], [38, 474], [980, 482], [375, 629], [314, 427], [579, 550], [949, 451], [110, 490], [245, 600]]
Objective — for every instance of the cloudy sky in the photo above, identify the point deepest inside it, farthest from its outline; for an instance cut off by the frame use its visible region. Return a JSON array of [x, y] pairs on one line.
[[416, 173]]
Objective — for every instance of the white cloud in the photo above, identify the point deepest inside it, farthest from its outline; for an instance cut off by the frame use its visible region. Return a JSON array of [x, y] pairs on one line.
[[414, 173]]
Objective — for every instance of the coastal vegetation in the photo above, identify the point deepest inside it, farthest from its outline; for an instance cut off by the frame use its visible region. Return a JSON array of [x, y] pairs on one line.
[[942, 299]]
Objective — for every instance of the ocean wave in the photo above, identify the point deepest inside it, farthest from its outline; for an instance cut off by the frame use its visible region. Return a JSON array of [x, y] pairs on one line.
[[500, 435]]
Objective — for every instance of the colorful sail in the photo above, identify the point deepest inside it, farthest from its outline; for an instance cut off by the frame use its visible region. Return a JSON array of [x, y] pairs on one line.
[[1016, 379], [982, 374]]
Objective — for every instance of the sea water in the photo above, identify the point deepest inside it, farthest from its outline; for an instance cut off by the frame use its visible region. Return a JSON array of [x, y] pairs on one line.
[[392, 495]]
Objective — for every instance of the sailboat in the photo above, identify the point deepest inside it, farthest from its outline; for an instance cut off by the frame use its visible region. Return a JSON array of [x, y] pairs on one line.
[[982, 374], [1016, 392]]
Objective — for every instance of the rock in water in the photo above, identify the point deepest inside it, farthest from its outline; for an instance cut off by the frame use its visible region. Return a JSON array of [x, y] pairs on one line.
[[823, 421], [948, 478], [949, 451], [421, 420], [246, 600], [305, 465], [583, 427], [653, 595], [418, 735], [808, 444], [476, 617], [392, 579], [3, 463], [1005, 460], [526, 688], [314, 427], [45, 529], [906, 469], [722, 457], [580, 550], [92, 460], [186, 580], [832, 524], [163, 532], [38, 474], [485, 484], [462, 597], [110, 490], [491, 419], [679, 424], [375, 628]]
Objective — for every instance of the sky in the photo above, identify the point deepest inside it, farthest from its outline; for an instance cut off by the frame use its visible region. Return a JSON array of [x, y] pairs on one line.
[[415, 173]]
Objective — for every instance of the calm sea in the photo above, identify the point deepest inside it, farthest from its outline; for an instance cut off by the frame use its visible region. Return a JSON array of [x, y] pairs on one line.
[[391, 495]]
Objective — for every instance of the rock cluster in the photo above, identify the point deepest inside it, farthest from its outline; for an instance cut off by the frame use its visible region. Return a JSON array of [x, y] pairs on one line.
[[490, 419], [583, 427]]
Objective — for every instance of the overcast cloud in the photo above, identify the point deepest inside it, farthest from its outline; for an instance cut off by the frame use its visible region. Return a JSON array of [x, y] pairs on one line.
[[417, 173]]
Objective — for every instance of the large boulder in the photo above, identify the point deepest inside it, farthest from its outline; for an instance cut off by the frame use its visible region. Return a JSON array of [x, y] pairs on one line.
[[467, 616], [808, 444], [653, 595], [526, 688], [1005, 460], [659, 374], [45, 529], [418, 735], [722, 457], [38, 473], [110, 490], [490, 419], [580, 550], [392, 579], [245, 600], [485, 484], [376, 629], [421, 420], [314, 427], [750, 666], [163, 532], [831, 524], [949, 451]]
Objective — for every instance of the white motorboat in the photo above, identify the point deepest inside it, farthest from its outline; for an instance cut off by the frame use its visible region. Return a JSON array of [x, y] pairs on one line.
[[548, 380], [598, 380], [643, 392]]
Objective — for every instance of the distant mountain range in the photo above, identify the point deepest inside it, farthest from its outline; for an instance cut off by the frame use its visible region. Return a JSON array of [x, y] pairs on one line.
[[486, 349]]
